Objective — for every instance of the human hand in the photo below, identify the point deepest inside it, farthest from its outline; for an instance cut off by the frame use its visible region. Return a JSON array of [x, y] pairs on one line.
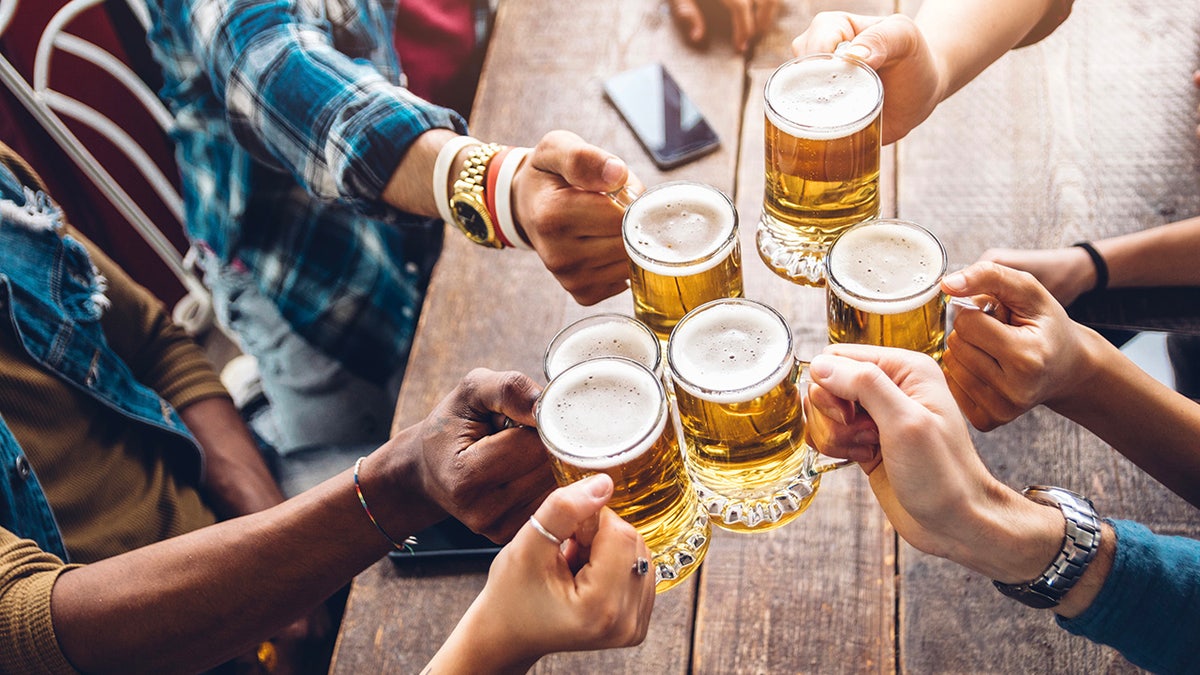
[[749, 19], [927, 476], [464, 460], [560, 205], [913, 80], [998, 367], [542, 598], [1066, 272]]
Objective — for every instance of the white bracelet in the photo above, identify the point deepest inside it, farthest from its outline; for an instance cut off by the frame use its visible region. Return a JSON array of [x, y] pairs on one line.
[[441, 173], [504, 216]]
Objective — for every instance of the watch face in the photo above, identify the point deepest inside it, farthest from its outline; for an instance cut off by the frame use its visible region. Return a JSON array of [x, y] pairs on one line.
[[472, 222]]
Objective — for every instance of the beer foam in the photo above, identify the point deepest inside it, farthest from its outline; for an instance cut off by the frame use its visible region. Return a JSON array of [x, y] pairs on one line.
[[822, 98], [886, 267], [730, 352], [601, 413], [605, 338], [674, 224]]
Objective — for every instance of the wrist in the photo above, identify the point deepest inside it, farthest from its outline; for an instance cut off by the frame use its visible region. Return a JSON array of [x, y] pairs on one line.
[[480, 643], [1014, 539], [391, 483], [1083, 389]]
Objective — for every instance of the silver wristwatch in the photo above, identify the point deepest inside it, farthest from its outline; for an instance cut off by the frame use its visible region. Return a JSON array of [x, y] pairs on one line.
[[1079, 546]]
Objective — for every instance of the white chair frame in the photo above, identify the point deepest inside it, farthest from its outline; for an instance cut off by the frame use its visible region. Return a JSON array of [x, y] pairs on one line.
[[48, 107]]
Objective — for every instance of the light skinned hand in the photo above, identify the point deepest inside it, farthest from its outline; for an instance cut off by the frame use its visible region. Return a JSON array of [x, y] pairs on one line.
[[1066, 272], [460, 461], [999, 367], [749, 20], [927, 476], [536, 601], [559, 205], [913, 81]]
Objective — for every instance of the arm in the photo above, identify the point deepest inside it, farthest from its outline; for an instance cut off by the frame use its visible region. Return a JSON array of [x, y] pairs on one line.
[[195, 600], [1032, 354], [519, 617], [922, 61], [1158, 256]]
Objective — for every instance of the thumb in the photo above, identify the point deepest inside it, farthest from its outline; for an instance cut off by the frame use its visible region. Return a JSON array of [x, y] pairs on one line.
[[880, 41], [1017, 290], [863, 379], [579, 163], [574, 507]]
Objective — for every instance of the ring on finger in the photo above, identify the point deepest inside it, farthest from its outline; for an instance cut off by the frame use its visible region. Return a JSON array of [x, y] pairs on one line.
[[641, 567], [537, 525]]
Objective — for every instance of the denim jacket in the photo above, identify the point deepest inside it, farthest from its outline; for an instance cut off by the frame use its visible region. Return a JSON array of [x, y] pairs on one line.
[[52, 298]]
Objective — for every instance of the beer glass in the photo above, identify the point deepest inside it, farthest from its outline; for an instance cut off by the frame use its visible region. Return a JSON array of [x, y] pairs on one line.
[[610, 415], [737, 391], [683, 249], [602, 335], [884, 287], [822, 160]]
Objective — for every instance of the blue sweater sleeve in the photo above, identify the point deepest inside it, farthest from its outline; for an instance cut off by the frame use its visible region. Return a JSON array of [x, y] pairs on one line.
[[1149, 606]]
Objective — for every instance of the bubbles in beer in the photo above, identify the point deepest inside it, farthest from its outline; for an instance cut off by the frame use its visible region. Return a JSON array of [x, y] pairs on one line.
[[740, 350], [875, 266], [602, 335], [822, 99], [678, 223]]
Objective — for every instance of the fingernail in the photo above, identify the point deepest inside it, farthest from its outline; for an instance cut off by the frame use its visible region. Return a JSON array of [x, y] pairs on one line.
[[597, 485], [867, 437], [860, 52], [862, 453], [955, 281], [820, 366], [613, 172]]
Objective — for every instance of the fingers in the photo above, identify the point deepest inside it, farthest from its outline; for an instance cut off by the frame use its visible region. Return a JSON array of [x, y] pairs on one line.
[[741, 16], [579, 163], [873, 39], [836, 429], [690, 20], [609, 575], [1019, 291], [508, 393], [864, 381], [568, 509]]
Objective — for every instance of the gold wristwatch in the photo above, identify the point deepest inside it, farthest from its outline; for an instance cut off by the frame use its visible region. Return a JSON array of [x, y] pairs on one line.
[[468, 203]]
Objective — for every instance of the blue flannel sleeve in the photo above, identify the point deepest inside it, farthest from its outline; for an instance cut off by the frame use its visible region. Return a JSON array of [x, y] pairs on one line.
[[325, 114], [1149, 606]]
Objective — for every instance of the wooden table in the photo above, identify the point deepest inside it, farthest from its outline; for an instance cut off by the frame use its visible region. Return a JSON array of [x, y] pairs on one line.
[[1085, 135]]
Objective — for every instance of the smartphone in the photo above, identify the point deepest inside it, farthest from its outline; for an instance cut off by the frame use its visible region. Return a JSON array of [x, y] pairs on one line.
[[448, 538], [663, 118]]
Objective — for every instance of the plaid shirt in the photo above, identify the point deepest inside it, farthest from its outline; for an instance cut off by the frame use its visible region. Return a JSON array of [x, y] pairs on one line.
[[290, 119]]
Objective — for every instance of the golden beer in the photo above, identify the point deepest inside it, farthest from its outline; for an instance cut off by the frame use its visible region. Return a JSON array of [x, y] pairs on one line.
[[602, 335], [822, 160], [610, 415], [884, 287], [739, 404], [683, 249]]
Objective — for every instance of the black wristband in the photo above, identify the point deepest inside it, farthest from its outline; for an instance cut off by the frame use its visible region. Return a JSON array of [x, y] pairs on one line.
[[1098, 261]]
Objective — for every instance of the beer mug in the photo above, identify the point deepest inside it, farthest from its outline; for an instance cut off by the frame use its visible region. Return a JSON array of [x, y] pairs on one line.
[[602, 335], [610, 415], [823, 128], [883, 287], [682, 242], [737, 392]]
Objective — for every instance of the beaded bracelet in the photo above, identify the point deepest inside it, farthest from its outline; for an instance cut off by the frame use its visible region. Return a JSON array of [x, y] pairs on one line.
[[1098, 261], [408, 542]]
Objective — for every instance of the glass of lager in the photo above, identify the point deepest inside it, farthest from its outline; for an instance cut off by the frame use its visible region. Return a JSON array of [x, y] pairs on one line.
[[602, 335], [884, 287], [610, 415], [737, 391], [682, 242], [822, 160]]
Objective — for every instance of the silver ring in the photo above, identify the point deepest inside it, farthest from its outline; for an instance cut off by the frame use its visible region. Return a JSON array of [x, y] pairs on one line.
[[641, 567], [544, 532], [509, 423]]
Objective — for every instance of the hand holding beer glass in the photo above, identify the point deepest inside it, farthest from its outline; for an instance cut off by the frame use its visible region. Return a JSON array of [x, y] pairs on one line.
[[883, 287], [682, 242], [611, 415], [737, 391], [822, 160]]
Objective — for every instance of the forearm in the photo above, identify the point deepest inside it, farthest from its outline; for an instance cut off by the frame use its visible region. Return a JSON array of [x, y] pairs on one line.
[[966, 36], [237, 481], [474, 646], [1159, 256], [1143, 419], [196, 600]]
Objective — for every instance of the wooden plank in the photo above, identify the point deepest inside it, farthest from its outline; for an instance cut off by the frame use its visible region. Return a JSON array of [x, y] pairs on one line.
[[1085, 135], [499, 309]]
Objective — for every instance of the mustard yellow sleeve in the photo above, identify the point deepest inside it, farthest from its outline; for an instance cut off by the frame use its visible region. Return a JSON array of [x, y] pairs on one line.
[[27, 640]]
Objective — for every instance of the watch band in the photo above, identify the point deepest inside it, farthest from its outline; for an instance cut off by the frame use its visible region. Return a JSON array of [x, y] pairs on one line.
[[469, 201], [441, 173], [1081, 540]]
